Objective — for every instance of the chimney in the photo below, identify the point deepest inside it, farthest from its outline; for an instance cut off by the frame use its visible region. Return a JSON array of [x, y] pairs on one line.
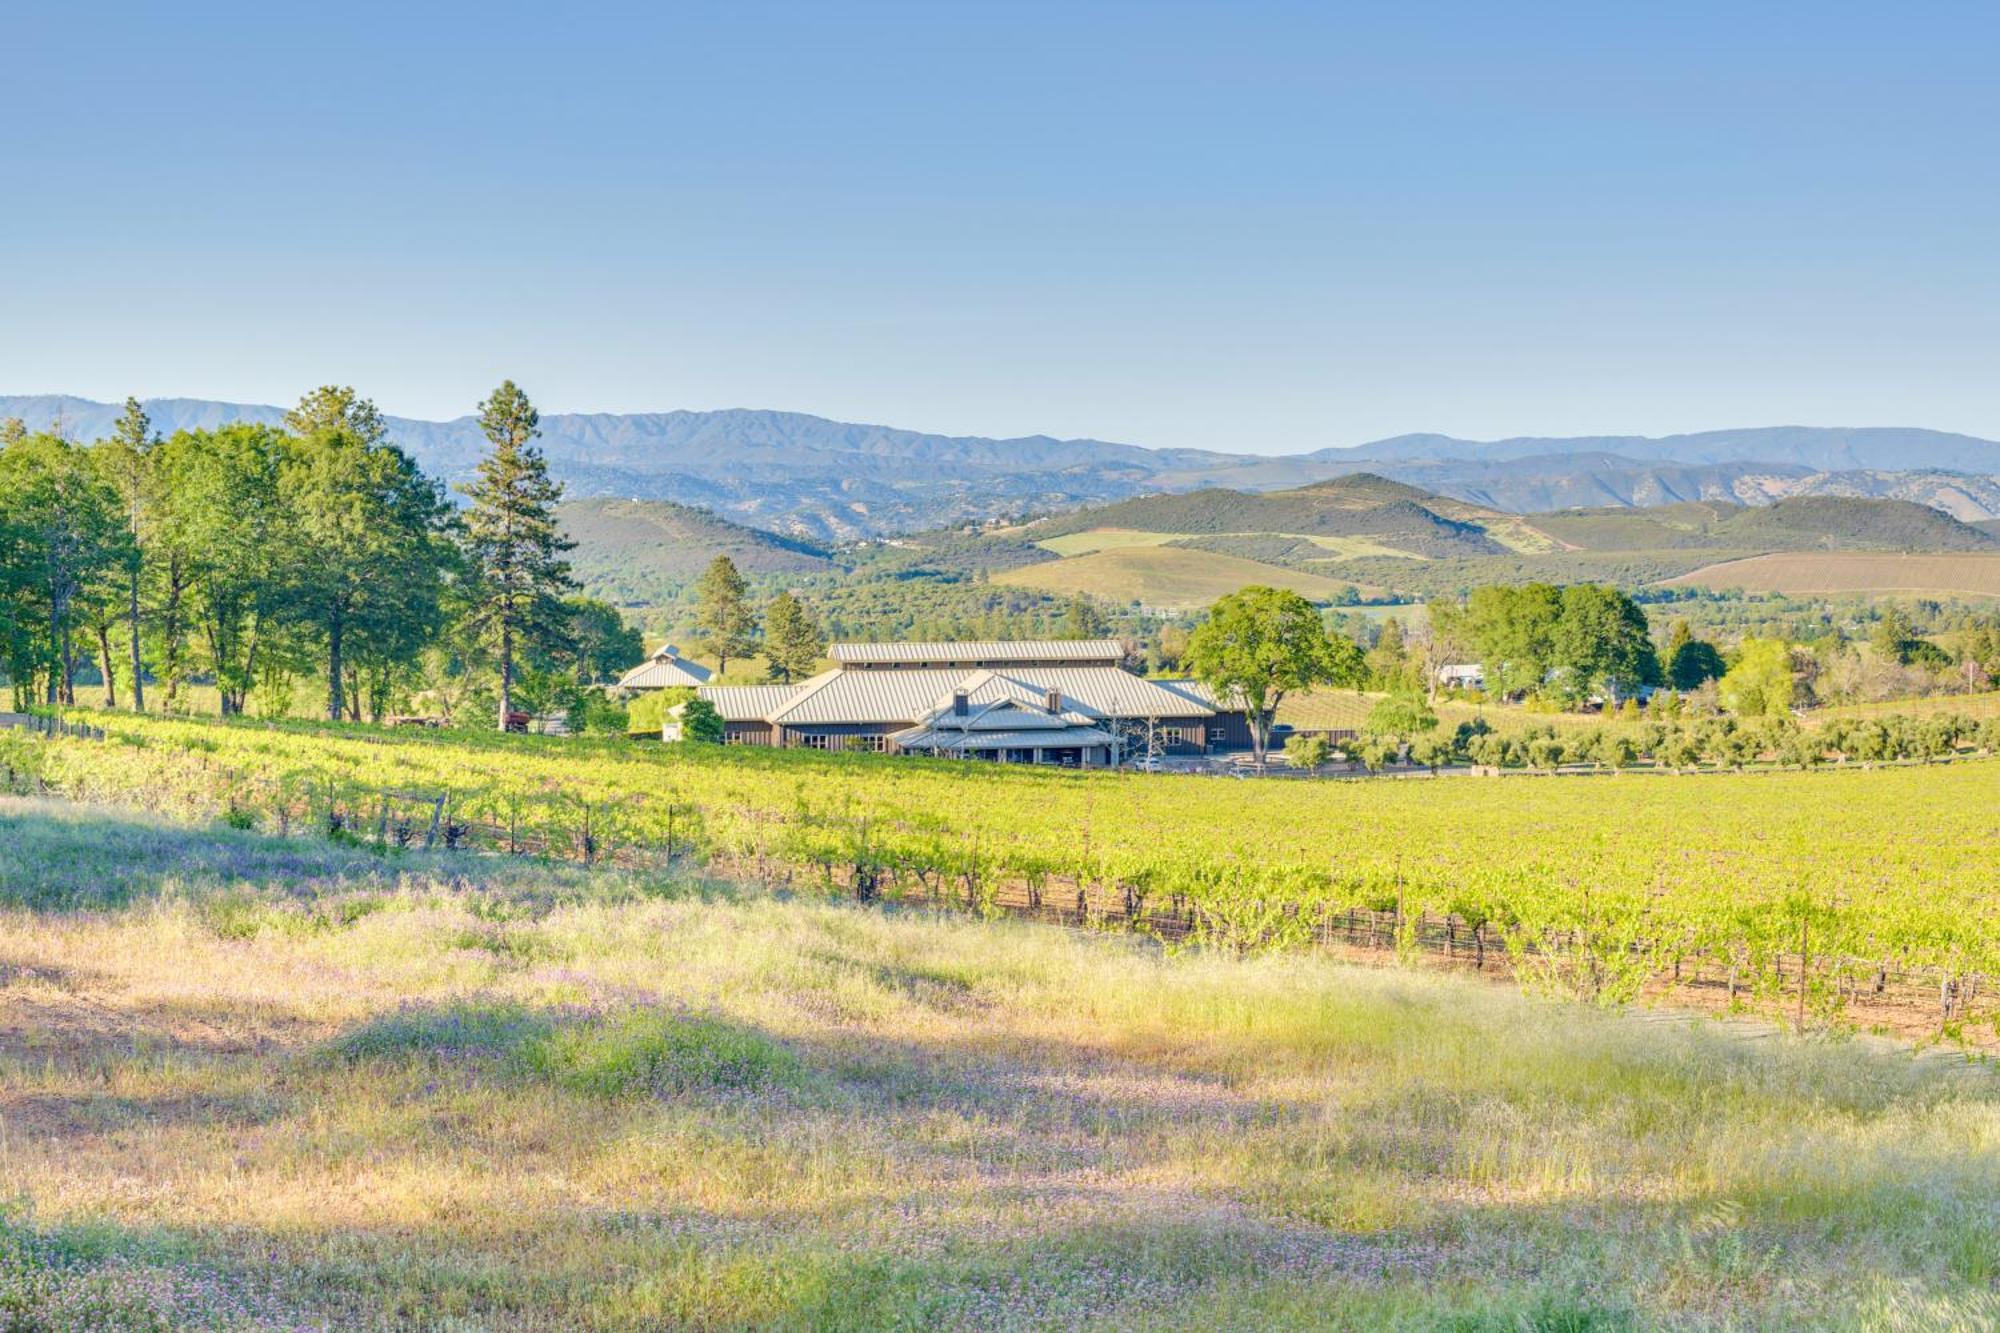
[[960, 703], [1054, 701]]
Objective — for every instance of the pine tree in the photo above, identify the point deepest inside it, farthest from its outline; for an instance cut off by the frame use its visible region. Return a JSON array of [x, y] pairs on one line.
[[127, 462], [515, 546], [793, 640], [722, 605], [1082, 620]]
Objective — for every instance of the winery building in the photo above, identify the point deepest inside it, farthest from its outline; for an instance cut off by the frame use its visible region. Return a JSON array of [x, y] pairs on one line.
[[665, 669], [1067, 702]]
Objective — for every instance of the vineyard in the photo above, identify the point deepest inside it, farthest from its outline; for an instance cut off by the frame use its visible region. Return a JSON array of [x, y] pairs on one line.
[[1808, 895]]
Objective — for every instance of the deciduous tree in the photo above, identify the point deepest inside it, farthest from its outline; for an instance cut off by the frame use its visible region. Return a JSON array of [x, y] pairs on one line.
[[1259, 645]]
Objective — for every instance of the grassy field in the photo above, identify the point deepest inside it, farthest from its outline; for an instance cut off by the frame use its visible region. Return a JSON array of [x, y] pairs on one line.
[[256, 1083], [1815, 573], [1966, 705], [1165, 577]]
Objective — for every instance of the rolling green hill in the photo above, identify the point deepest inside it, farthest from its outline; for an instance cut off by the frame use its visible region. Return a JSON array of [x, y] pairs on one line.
[[638, 552], [1799, 523], [1384, 513]]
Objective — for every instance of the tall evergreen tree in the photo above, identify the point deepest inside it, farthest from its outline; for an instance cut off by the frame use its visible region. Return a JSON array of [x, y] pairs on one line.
[[515, 546], [126, 458], [364, 563], [336, 407], [793, 640], [722, 606]]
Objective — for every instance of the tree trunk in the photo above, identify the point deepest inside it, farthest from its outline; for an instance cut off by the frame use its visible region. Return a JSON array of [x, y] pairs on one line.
[[334, 678], [55, 641], [68, 669], [507, 672], [104, 667], [138, 668]]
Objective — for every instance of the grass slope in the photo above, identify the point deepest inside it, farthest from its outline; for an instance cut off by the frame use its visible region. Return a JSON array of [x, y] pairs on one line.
[[252, 1083], [1164, 577], [1401, 517], [1819, 574]]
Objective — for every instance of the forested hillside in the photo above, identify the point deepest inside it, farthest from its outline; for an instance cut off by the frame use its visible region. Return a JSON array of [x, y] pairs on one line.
[[641, 552]]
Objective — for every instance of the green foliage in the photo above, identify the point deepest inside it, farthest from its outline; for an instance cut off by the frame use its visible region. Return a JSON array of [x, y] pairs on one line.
[[1263, 643], [364, 554], [1306, 752], [514, 547], [1082, 620], [63, 540], [700, 723], [598, 645], [1401, 718], [723, 608], [794, 643], [1574, 641], [1694, 663], [651, 1052], [647, 712], [1760, 684]]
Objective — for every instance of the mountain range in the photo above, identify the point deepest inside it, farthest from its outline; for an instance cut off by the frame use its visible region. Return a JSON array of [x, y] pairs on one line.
[[827, 481]]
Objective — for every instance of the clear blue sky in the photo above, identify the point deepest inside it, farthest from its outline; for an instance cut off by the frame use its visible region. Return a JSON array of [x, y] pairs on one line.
[[1250, 227]]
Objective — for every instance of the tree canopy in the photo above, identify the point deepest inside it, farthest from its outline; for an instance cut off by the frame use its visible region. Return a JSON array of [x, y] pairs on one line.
[[1260, 644]]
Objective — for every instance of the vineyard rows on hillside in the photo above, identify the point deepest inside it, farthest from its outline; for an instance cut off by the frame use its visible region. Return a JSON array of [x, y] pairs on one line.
[[1803, 888]]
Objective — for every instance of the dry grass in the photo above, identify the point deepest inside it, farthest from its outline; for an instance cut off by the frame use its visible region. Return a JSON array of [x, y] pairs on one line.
[[1965, 705], [1165, 577], [1826, 573], [252, 1083]]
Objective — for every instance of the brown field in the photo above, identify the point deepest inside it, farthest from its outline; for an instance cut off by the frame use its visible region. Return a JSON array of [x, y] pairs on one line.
[[1809, 573], [1166, 577]]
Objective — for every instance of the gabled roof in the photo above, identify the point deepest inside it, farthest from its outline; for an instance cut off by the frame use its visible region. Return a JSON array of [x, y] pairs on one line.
[[982, 652], [910, 695], [665, 668]]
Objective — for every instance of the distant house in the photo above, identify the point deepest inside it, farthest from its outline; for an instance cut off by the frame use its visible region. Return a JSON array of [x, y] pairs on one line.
[[1462, 676], [1067, 702], [665, 669]]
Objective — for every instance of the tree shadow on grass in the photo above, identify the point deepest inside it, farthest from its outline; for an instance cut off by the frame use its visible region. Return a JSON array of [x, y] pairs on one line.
[[1037, 1208]]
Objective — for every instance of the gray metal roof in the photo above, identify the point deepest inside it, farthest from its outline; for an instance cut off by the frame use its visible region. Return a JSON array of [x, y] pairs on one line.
[[979, 652], [927, 738], [908, 696], [913, 695], [746, 703], [664, 669], [663, 672]]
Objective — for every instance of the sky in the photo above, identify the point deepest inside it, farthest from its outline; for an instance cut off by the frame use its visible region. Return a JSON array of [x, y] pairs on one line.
[[1251, 227]]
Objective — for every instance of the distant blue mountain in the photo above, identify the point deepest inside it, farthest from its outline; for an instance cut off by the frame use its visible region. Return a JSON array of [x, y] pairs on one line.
[[831, 480], [1821, 448]]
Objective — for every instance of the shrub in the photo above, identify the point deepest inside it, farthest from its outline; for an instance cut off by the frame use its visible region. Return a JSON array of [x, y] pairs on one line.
[[701, 723], [1307, 752]]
